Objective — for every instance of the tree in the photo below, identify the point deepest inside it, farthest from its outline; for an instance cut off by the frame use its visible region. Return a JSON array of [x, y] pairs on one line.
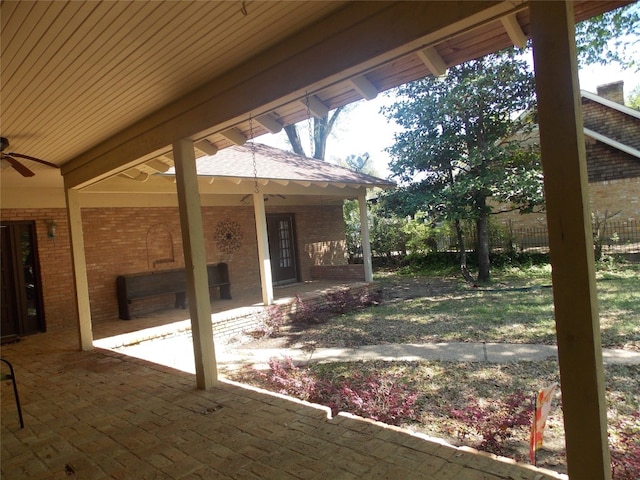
[[610, 37], [321, 130], [351, 209], [358, 163], [464, 142], [633, 99]]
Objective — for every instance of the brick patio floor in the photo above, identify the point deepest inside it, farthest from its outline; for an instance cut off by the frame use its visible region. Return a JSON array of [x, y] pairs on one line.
[[99, 414]]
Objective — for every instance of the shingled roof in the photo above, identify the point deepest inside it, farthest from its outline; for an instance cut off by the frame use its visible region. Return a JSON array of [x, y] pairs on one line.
[[276, 164]]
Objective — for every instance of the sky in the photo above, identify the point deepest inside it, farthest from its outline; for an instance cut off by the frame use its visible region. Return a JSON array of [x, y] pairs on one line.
[[363, 129]]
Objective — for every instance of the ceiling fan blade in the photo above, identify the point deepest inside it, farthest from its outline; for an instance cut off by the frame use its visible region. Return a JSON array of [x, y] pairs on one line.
[[33, 159], [21, 169]]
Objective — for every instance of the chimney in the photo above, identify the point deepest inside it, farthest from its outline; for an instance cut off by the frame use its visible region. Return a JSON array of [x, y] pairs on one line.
[[612, 91]]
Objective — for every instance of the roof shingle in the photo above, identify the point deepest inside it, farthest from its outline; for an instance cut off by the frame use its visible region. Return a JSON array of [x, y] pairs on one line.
[[276, 164]]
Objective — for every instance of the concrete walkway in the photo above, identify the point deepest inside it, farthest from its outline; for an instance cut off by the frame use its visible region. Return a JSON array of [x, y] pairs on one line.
[[449, 352], [176, 351]]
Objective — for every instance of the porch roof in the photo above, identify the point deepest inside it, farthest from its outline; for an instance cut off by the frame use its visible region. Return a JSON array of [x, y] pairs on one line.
[[99, 88], [274, 164]]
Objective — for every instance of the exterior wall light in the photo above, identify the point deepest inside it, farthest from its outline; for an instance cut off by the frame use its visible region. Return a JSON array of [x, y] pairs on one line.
[[51, 229]]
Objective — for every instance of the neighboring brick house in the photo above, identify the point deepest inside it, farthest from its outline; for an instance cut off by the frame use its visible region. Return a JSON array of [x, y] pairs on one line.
[[133, 226], [612, 141]]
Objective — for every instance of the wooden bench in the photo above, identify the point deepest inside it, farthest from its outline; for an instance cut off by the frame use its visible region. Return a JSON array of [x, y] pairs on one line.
[[153, 284]]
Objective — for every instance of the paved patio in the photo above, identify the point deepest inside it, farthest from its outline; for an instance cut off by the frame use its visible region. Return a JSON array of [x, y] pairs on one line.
[[239, 305], [100, 414]]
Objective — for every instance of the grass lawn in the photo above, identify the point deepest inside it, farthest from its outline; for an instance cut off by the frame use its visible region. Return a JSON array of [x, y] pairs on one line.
[[517, 307]]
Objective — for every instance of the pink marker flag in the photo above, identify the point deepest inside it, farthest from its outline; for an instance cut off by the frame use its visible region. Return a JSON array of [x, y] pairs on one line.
[[542, 407]]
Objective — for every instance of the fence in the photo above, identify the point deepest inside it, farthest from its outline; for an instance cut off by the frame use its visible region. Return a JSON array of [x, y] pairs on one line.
[[616, 237], [619, 237]]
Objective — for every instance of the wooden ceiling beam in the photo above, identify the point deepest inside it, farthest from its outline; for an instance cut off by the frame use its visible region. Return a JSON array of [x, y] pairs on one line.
[[514, 30], [364, 87], [432, 59], [234, 135], [315, 106], [269, 122], [135, 174], [281, 182], [158, 165], [206, 146]]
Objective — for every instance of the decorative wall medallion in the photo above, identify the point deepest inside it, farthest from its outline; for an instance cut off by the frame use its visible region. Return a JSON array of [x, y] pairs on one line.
[[228, 236]]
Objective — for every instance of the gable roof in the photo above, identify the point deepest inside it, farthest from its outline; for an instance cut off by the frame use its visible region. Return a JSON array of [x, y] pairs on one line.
[[612, 143], [612, 123], [611, 104], [274, 164]]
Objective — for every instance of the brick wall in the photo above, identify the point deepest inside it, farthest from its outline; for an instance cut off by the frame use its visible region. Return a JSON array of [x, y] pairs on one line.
[[320, 236], [144, 236], [613, 91], [616, 196], [614, 176], [613, 196], [56, 270], [229, 326], [338, 272], [121, 241], [605, 162]]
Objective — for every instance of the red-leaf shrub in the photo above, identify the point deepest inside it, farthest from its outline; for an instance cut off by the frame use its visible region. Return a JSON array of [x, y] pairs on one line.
[[383, 398], [494, 422], [379, 397], [342, 301], [305, 314], [288, 379], [625, 448]]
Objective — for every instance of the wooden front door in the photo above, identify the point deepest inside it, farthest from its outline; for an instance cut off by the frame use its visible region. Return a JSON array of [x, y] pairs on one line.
[[21, 307], [282, 249]]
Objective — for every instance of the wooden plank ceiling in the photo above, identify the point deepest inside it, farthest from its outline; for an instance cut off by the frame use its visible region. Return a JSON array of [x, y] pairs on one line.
[[75, 74]]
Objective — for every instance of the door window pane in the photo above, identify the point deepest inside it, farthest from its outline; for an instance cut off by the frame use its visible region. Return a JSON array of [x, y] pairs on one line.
[[284, 239]]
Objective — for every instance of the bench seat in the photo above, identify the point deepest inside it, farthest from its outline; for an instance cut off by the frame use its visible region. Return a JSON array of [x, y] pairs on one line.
[[153, 284]]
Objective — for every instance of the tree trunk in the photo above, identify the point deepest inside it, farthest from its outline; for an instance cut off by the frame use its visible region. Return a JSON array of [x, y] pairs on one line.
[[463, 254], [482, 231], [294, 139], [321, 131]]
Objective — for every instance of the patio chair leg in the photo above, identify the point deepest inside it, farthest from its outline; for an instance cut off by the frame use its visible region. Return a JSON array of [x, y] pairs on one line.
[[12, 377]]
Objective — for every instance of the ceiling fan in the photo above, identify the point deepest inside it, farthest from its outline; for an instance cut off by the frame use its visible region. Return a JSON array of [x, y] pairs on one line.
[[12, 157]]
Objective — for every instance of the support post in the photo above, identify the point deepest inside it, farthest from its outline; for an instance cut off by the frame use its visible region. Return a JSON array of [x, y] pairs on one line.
[[570, 240], [364, 238], [85, 333], [195, 262], [263, 248]]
